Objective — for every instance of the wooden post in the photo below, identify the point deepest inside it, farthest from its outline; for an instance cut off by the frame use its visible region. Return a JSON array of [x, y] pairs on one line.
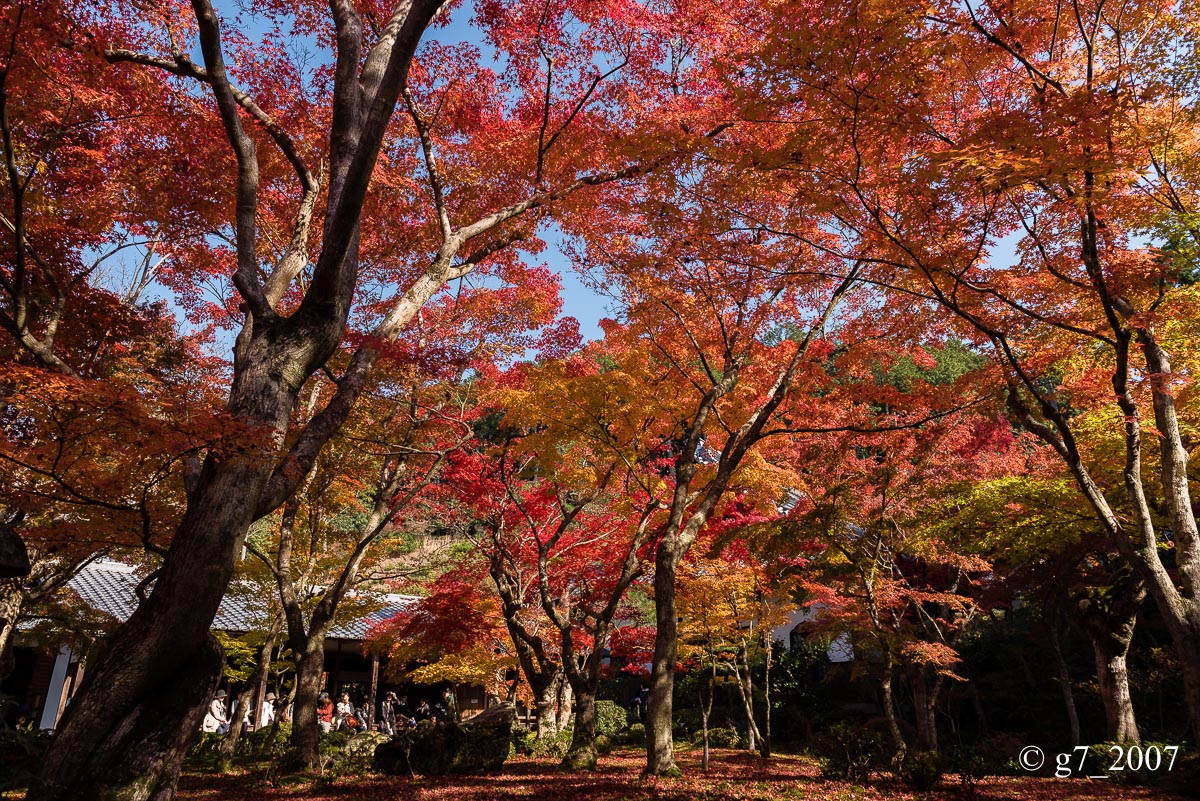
[[373, 691]]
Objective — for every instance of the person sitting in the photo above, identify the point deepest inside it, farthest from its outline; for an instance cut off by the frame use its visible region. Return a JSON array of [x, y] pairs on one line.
[[343, 713], [325, 713], [423, 711]]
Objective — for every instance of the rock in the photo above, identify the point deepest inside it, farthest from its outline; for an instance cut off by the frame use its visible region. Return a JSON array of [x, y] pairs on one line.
[[478, 745]]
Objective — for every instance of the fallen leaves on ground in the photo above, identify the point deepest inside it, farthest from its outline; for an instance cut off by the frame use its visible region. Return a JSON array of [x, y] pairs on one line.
[[732, 776]]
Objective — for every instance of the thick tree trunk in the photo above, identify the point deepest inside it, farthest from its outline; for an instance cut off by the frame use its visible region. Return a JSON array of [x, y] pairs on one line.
[[1109, 619], [107, 729], [305, 731], [582, 754], [1114, 691], [547, 713], [924, 704], [660, 741], [141, 760]]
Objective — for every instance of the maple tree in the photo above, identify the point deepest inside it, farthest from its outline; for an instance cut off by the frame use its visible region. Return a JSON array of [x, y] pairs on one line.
[[565, 527], [306, 243], [731, 605], [1026, 172]]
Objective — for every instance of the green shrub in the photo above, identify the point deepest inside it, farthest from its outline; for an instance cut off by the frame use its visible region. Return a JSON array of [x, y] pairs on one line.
[[604, 744], [922, 770], [254, 744], [554, 746], [849, 752], [1102, 757], [523, 740], [720, 737], [634, 735], [611, 718]]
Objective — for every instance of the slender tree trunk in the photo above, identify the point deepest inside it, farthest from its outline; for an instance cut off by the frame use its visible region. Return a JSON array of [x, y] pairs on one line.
[[706, 705], [746, 690], [889, 712], [765, 748], [565, 699], [251, 695], [660, 742], [12, 596], [1064, 683]]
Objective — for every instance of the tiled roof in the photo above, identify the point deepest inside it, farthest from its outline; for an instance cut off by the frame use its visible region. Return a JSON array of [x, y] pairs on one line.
[[111, 587]]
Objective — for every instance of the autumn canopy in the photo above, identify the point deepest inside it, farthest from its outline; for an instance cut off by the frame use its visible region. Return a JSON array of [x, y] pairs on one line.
[[763, 367]]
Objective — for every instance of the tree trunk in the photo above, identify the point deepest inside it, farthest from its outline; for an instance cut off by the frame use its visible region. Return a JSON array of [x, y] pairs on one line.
[[746, 690], [547, 717], [252, 695], [310, 664], [12, 595], [765, 747], [1114, 691], [565, 697], [924, 703], [660, 741], [889, 712], [582, 754], [141, 760], [705, 711], [1064, 681], [118, 719]]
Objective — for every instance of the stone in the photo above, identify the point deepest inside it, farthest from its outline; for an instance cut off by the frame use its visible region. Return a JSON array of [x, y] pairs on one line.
[[478, 745]]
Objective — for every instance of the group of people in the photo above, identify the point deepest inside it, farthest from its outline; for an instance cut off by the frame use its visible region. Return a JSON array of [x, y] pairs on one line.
[[395, 713], [342, 716], [217, 720]]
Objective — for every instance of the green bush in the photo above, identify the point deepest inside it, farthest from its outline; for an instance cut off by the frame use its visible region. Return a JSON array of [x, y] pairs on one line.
[[611, 718], [1102, 757], [604, 744], [922, 770], [523, 740], [720, 737], [254, 744], [554, 746], [634, 735], [849, 752]]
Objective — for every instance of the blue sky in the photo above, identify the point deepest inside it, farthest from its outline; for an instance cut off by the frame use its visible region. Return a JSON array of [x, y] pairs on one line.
[[579, 301]]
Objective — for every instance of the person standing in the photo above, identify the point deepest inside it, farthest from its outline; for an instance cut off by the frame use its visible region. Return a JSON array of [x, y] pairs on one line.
[[387, 713], [216, 720], [266, 715], [450, 702]]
